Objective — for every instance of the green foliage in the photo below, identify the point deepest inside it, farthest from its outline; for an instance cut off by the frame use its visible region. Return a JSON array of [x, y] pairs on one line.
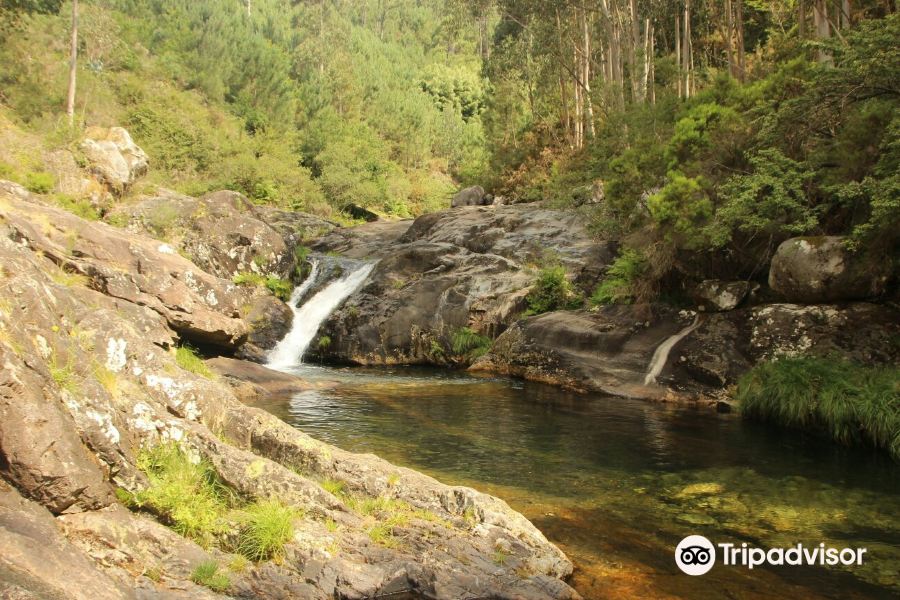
[[466, 342], [618, 284], [683, 208], [40, 182], [80, 207], [187, 496], [552, 291], [267, 525], [324, 343], [280, 288], [770, 201], [849, 403], [187, 358], [209, 575]]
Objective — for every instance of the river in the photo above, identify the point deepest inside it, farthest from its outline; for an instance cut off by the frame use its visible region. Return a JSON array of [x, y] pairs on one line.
[[617, 483]]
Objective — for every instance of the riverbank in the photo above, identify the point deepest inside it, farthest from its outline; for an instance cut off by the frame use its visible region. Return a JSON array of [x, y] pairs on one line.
[[97, 329]]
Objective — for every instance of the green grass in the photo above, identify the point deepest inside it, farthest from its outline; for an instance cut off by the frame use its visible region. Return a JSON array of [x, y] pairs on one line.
[[465, 342], [40, 182], [80, 207], [208, 575], [280, 288], [850, 403], [188, 359], [267, 526], [63, 373], [186, 496], [333, 486]]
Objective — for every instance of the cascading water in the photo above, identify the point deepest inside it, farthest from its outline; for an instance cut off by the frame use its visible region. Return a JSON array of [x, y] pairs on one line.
[[308, 317], [661, 355]]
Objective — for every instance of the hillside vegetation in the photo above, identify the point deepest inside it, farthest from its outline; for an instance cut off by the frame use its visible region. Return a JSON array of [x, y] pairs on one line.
[[309, 106]]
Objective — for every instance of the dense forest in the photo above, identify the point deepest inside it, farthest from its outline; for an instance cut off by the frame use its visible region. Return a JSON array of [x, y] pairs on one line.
[[715, 129]]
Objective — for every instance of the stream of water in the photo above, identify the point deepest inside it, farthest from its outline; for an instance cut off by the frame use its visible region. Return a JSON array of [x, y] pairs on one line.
[[616, 483]]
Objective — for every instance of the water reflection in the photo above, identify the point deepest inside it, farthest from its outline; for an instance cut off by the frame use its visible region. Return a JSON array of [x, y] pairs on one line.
[[618, 483]]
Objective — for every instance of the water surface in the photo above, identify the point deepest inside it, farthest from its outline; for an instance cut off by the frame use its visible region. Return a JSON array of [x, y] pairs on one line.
[[618, 483]]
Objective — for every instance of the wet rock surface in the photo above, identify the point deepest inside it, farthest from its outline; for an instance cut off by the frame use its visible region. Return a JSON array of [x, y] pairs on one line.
[[462, 268], [88, 319]]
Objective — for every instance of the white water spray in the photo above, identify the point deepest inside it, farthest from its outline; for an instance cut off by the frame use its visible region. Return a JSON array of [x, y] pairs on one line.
[[661, 355], [309, 316]]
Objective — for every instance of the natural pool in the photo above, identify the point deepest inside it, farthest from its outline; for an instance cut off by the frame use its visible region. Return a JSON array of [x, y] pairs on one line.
[[618, 483]]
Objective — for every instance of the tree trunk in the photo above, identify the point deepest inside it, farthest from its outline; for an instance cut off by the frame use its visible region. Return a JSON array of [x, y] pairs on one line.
[[586, 72], [739, 26], [563, 94], [687, 51], [801, 19], [823, 29], [678, 61], [729, 41], [73, 66]]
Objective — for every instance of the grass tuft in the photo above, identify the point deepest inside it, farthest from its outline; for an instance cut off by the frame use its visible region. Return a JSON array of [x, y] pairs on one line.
[[188, 359], [466, 342], [267, 526], [187, 496], [850, 403], [208, 575]]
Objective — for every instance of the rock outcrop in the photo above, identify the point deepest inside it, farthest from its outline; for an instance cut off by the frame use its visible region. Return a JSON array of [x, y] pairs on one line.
[[470, 196], [819, 270], [450, 270], [714, 295], [610, 350], [88, 318], [114, 158]]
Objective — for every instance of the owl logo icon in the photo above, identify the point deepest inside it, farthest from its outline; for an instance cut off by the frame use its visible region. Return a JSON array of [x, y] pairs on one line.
[[695, 555]]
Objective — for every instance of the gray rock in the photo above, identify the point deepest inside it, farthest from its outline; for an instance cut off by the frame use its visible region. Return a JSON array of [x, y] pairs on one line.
[[818, 270], [470, 196], [715, 295], [114, 157]]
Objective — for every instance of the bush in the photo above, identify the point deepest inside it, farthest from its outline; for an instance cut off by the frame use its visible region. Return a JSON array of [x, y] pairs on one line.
[[552, 291], [618, 285], [40, 183], [280, 288], [849, 403]]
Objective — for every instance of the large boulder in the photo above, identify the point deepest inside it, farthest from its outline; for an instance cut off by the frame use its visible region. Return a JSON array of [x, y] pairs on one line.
[[220, 232], [470, 196], [202, 308], [91, 367], [114, 157], [818, 270], [447, 271]]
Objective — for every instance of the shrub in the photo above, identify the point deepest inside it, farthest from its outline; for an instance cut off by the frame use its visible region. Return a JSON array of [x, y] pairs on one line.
[[79, 207], [618, 285], [40, 182], [849, 403], [188, 359], [267, 526], [280, 288], [208, 575], [465, 342], [552, 291]]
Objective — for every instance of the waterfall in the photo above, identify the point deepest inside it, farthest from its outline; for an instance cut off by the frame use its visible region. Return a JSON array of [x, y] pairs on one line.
[[310, 315], [661, 355]]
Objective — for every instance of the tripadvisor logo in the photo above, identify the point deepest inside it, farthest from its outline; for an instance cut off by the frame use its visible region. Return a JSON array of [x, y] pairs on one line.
[[696, 555]]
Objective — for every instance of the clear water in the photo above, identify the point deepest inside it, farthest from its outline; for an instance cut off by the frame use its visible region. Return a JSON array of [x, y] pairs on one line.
[[617, 483]]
